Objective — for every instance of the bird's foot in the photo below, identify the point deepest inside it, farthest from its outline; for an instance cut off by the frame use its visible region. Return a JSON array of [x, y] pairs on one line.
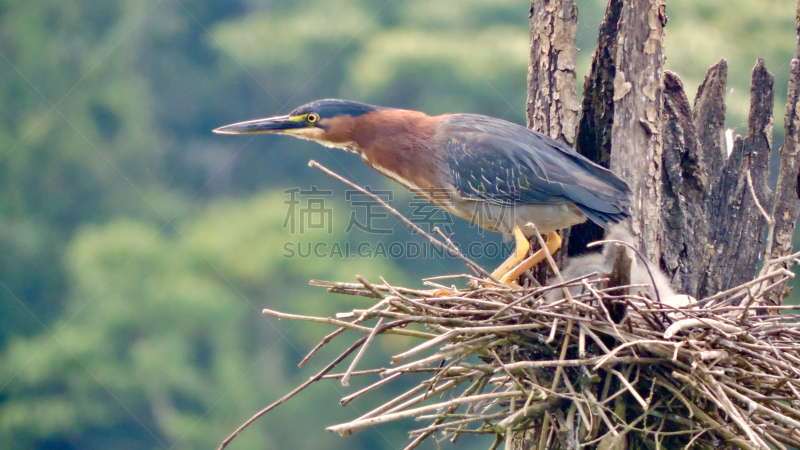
[[444, 293], [473, 285], [511, 282]]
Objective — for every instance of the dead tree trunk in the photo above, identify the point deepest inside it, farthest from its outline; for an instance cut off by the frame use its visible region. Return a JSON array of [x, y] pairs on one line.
[[552, 106], [712, 224], [684, 184], [620, 126], [597, 116], [636, 145], [736, 231], [787, 191], [697, 211], [709, 117]]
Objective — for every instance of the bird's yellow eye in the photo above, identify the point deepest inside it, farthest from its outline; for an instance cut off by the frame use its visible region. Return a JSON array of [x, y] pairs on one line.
[[312, 118]]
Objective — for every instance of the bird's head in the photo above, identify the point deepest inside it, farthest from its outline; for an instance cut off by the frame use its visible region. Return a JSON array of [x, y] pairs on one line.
[[330, 122]]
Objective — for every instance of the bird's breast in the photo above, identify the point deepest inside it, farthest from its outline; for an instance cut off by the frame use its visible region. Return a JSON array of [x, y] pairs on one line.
[[420, 180], [390, 173]]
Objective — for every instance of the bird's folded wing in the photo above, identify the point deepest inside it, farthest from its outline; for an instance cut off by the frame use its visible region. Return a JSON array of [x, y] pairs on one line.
[[500, 162]]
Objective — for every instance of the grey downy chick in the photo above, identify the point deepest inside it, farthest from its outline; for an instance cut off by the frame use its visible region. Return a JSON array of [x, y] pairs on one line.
[[602, 263]]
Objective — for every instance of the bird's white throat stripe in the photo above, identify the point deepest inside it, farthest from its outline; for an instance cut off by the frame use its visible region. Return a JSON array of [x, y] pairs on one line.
[[394, 175], [315, 134], [443, 201]]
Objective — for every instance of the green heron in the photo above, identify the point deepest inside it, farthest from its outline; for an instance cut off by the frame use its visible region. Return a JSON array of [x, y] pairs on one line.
[[497, 174]]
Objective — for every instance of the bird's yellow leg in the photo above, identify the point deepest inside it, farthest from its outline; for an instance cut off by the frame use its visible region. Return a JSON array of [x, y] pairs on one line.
[[553, 243], [520, 250]]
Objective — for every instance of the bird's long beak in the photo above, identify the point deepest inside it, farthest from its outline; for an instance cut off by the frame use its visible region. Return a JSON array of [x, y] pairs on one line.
[[278, 124]]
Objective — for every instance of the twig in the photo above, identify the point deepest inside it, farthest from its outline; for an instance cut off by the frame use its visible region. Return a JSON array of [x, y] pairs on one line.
[[357, 425], [744, 286], [294, 392], [630, 388], [770, 224], [426, 345], [361, 351], [371, 387], [348, 325]]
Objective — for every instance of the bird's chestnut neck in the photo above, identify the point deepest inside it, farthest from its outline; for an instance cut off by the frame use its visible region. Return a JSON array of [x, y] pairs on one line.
[[394, 129]]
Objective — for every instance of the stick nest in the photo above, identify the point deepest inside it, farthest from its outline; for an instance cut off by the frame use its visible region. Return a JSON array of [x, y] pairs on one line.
[[606, 368], [502, 361]]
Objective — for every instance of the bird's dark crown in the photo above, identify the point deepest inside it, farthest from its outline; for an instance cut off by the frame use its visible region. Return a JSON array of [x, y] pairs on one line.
[[332, 107]]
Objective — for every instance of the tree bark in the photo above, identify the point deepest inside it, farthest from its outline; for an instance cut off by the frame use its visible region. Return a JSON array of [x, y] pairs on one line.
[[684, 186], [597, 116], [709, 117], [736, 231], [786, 192], [553, 106], [636, 146], [620, 126], [597, 111]]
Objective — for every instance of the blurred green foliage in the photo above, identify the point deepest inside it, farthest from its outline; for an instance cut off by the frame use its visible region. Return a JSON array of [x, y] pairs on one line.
[[137, 249], [161, 339], [740, 32]]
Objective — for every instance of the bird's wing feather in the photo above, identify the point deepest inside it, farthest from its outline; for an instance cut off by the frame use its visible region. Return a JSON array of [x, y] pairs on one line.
[[501, 162]]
